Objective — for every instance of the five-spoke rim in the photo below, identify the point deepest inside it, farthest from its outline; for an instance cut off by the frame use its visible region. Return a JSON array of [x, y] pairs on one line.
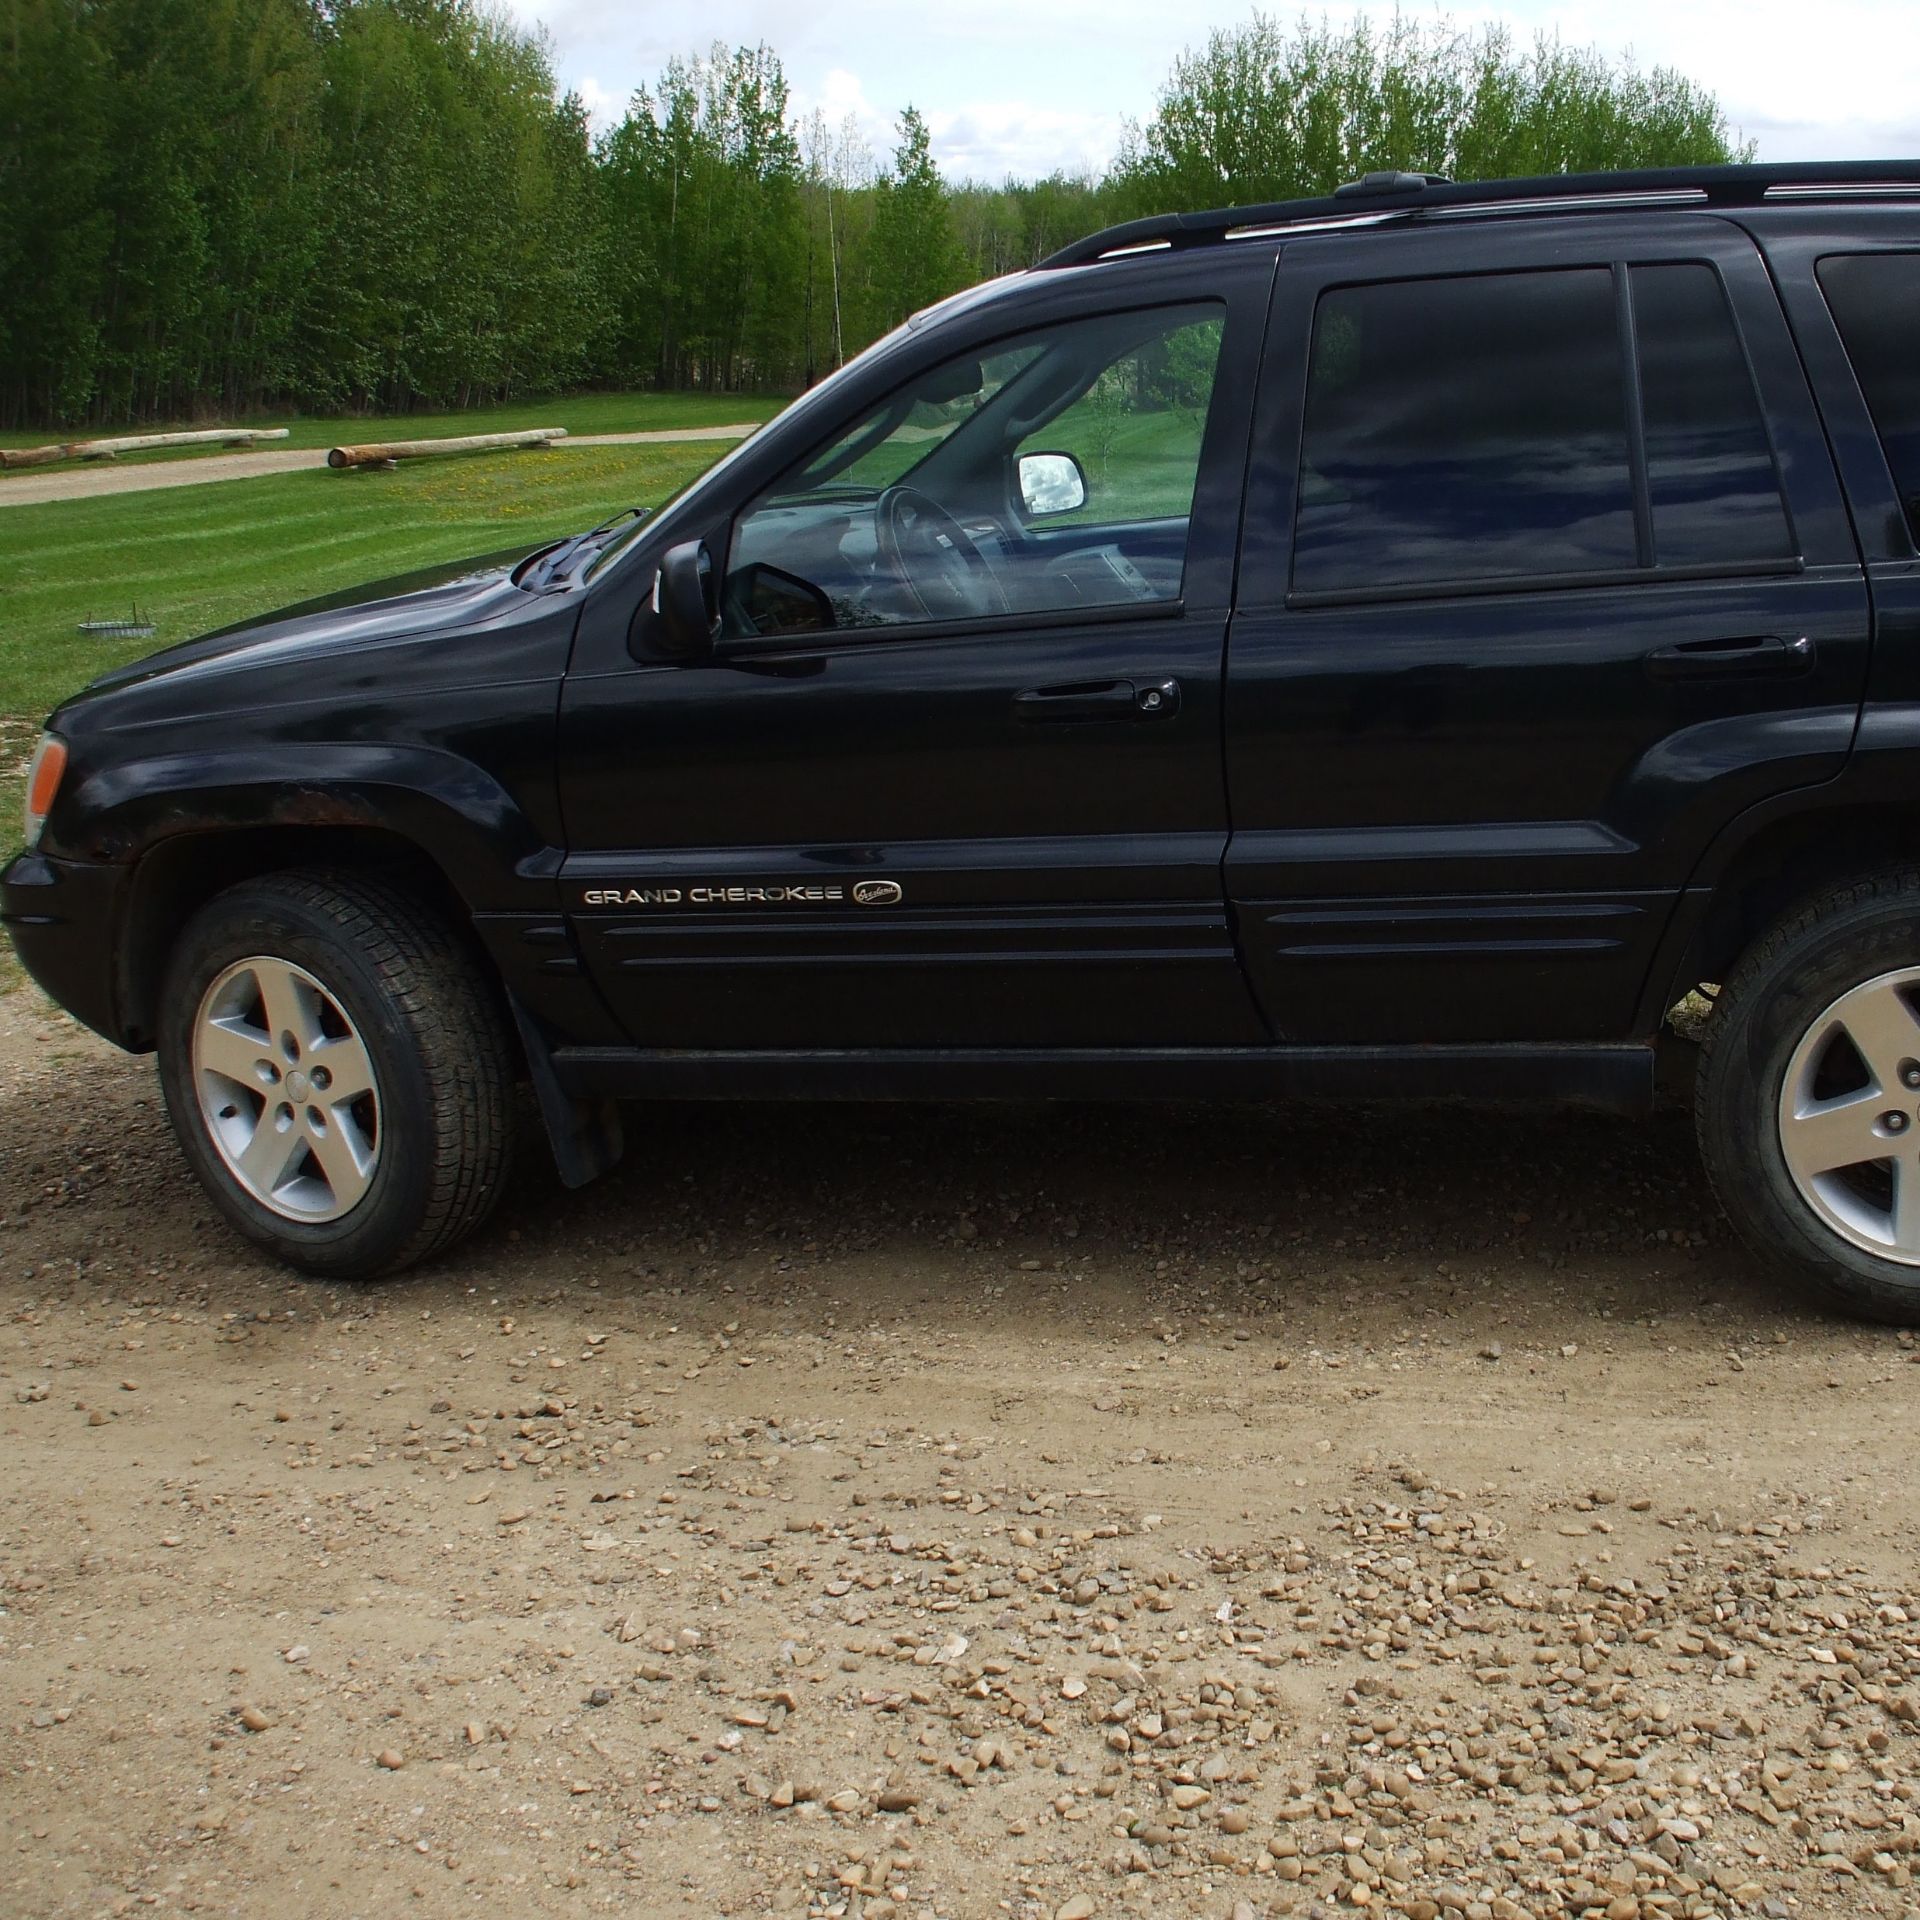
[[286, 1089], [1850, 1116]]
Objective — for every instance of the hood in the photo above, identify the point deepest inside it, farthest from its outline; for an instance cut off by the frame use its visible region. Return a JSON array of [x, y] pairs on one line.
[[458, 593]]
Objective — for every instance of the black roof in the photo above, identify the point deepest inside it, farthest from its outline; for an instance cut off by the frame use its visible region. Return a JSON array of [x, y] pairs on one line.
[[1414, 196]]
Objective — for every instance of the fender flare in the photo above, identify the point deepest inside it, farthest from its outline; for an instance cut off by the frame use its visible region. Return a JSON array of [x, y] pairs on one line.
[[452, 811]]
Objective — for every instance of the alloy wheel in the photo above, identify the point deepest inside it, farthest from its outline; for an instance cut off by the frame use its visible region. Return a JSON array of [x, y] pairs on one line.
[[287, 1089], [1849, 1116]]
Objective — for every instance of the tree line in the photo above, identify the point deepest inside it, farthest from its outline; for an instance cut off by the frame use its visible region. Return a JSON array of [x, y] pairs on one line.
[[214, 207]]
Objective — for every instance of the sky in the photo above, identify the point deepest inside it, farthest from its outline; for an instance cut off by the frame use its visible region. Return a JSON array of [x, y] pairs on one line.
[[1024, 87]]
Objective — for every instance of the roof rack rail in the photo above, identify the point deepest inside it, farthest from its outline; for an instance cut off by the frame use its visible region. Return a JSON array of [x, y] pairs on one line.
[[1389, 181], [1412, 194]]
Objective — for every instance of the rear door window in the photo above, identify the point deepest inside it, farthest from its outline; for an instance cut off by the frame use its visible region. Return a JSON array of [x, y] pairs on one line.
[[1465, 429], [1875, 302], [1475, 430], [1710, 472]]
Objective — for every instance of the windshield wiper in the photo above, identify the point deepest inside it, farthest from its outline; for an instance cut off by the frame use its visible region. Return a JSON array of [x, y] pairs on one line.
[[561, 562]]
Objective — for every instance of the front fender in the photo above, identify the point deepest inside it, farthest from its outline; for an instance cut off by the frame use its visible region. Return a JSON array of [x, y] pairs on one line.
[[456, 813]]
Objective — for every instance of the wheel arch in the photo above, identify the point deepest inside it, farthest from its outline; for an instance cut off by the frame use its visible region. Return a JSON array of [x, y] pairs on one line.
[[185, 826], [178, 875], [181, 874], [1782, 862]]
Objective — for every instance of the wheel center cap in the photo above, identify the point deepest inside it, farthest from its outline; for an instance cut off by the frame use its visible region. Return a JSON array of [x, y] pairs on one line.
[[298, 1085]]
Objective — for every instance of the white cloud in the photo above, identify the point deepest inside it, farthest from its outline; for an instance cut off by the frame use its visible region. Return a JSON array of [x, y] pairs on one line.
[[839, 98], [1838, 80], [988, 140], [603, 107], [1009, 86], [842, 95]]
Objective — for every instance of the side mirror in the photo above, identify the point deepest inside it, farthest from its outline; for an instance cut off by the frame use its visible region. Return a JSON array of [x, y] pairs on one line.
[[686, 606], [1052, 483]]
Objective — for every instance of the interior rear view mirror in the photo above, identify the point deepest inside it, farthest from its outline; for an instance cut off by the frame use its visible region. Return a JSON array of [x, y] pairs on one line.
[[957, 380], [1051, 483]]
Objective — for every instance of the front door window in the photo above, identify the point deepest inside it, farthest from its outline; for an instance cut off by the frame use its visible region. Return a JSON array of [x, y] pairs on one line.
[[1052, 472]]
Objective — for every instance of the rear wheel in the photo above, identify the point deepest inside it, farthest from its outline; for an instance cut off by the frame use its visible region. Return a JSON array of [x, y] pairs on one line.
[[1808, 1105], [336, 1071]]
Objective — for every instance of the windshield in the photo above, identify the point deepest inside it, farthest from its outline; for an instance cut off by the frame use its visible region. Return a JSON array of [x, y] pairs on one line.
[[616, 550], [885, 445]]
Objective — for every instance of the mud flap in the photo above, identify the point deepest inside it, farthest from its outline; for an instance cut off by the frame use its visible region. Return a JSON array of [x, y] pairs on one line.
[[585, 1134]]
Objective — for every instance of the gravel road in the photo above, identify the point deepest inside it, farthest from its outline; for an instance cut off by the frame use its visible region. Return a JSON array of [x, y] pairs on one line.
[[34, 486], [1036, 1513]]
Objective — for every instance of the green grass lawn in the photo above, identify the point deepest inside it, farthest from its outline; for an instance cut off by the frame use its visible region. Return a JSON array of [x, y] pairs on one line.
[[578, 413], [196, 558], [1139, 466]]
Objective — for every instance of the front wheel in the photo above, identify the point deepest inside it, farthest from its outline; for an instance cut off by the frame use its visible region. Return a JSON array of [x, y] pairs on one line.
[[1808, 1104], [336, 1071]]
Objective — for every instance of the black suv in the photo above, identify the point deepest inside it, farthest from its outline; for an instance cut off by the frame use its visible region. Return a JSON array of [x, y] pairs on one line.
[[1395, 644]]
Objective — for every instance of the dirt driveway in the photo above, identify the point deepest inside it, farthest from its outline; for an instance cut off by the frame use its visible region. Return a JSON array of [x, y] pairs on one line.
[[865, 1512], [38, 486]]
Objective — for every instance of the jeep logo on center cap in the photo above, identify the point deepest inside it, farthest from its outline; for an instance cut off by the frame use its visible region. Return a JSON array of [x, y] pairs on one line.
[[877, 893]]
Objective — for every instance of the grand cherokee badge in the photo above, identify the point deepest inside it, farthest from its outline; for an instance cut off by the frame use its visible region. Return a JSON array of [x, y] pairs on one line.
[[868, 893]]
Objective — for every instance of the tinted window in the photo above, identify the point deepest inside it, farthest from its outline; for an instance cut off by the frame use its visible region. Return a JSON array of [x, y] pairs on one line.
[[1053, 473], [1709, 465], [1875, 299], [1465, 429]]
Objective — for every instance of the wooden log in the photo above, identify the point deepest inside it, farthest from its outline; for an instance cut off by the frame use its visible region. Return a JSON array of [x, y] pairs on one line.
[[386, 452], [137, 443], [199, 437]]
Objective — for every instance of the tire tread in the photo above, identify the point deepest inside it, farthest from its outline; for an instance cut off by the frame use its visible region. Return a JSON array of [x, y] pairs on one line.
[[430, 977], [1768, 966]]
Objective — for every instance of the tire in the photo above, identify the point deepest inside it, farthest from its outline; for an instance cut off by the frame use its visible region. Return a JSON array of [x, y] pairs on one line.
[[345, 1183], [1787, 1082]]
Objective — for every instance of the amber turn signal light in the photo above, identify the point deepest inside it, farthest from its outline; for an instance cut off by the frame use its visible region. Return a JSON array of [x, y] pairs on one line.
[[43, 782]]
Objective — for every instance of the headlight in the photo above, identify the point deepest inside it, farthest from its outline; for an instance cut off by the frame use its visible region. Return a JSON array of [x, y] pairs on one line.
[[43, 782]]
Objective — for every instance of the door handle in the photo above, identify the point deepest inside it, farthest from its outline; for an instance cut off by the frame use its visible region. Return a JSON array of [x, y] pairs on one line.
[[1732, 659], [1099, 700]]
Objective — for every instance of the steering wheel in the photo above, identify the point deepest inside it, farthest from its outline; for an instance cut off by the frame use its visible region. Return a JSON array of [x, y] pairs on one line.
[[932, 556]]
